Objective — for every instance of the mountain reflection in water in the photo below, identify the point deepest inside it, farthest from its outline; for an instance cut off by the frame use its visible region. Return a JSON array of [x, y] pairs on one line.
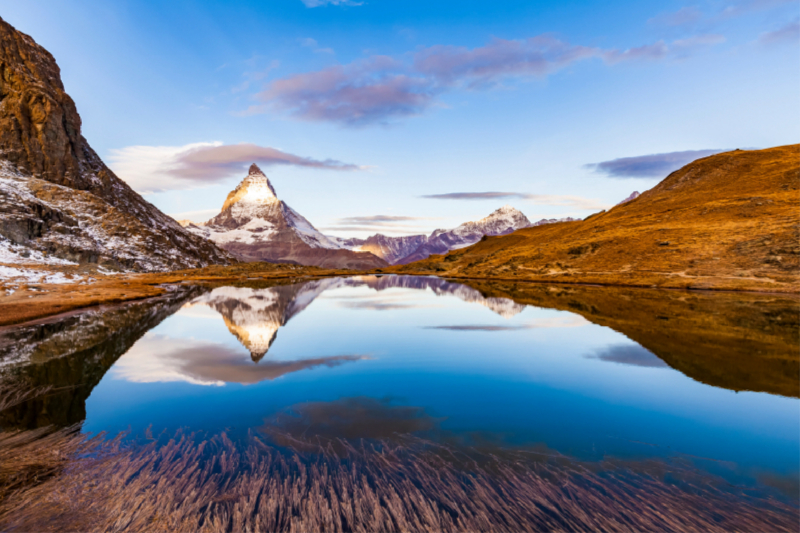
[[634, 380]]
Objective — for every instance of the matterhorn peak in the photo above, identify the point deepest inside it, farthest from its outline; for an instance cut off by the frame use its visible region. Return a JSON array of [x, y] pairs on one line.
[[254, 190], [254, 170]]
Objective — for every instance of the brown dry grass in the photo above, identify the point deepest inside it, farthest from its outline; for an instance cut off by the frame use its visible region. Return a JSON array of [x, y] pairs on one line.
[[185, 484], [729, 221]]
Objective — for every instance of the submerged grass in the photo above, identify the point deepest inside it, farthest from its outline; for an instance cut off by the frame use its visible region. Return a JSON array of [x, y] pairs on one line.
[[189, 483]]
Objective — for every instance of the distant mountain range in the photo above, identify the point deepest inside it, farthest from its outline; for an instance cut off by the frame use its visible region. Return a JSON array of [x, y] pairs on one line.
[[254, 225]]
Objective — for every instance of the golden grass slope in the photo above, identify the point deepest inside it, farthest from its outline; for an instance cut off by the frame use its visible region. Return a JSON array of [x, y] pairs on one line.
[[729, 221]]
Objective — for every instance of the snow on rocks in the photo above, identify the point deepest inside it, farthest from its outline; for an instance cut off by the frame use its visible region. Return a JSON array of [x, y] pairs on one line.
[[30, 276]]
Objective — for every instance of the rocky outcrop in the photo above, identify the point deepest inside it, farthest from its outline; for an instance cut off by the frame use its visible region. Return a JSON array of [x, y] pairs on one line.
[[70, 355], [634, 195], [50, 174], [544, 221], [254, 225]]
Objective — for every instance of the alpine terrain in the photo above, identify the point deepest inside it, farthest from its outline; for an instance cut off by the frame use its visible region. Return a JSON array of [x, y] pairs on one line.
[[727, 221], [402, 250], [254, 225], [59, 203]]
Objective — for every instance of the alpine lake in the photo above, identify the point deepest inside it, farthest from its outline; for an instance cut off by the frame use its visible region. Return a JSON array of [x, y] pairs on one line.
[[410, 403]]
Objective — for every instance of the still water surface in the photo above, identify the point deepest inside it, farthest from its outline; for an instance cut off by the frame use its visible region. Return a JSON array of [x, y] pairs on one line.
[[371, 357]]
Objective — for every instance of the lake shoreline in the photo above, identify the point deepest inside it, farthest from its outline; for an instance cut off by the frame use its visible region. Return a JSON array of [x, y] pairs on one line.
[[33, 302]]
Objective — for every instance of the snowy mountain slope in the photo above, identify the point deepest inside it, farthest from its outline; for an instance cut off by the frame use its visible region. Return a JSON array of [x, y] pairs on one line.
[[49, 224], [57, 196], [390, 249], [500, 222], [254, 225], [544, 221]]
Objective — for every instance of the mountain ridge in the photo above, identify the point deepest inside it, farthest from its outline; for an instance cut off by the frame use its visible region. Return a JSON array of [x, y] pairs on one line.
[[57, 197], [255, 225]]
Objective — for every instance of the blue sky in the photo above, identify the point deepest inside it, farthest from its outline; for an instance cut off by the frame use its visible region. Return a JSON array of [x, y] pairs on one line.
[[360, 110]]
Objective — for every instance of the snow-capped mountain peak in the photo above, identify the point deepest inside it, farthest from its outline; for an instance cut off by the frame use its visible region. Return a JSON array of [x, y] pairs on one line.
[[254, 191], [254, 225], [509, 214]]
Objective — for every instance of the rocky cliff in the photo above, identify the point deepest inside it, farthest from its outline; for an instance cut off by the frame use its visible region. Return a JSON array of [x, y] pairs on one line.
[[254, 225], [56, 195]]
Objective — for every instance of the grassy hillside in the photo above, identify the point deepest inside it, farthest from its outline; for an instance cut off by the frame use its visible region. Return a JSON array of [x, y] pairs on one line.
[[729, 221]]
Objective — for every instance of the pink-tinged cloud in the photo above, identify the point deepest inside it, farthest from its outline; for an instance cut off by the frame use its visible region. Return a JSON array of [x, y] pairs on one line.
[[484, 66], [369, 91], [209, 163], [790, 33], [380, 89]]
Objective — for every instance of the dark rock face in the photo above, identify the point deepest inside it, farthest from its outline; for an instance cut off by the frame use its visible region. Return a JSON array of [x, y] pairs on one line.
[[40, 137]]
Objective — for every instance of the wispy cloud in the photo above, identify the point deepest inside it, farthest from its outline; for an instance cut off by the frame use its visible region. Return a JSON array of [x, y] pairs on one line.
[[199, 215], [648, 166], [376, 306], [569, 321], [319, 3], [788, 34], [479, 327], [577, 202], [689, 17], [159, 168], [379, 220], [364, 92], [404, 225], [381, 89]]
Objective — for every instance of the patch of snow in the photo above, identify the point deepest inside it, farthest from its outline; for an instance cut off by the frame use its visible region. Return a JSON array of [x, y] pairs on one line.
[[308, 232], [18, 254], [25, 275]]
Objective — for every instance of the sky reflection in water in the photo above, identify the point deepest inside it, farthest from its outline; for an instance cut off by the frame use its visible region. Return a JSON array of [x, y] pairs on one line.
[[453, 361]]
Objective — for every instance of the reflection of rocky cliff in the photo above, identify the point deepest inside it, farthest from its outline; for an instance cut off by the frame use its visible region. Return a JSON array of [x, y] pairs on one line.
[[741, 341], [71, 355], [254, 315]]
